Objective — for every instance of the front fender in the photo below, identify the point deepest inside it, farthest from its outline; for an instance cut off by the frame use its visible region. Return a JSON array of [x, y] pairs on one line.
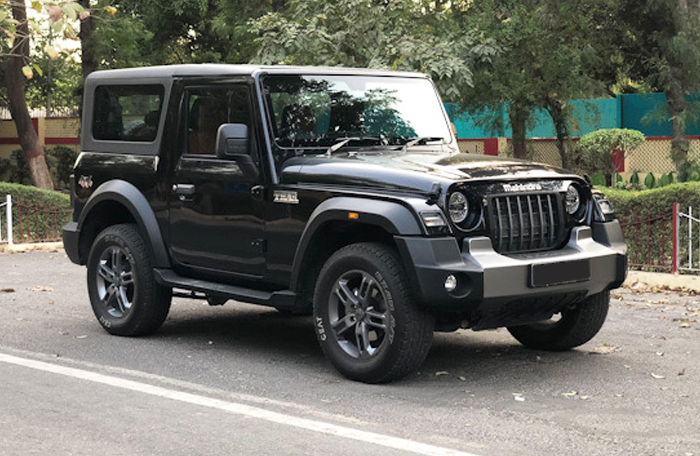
[[392, 217], [133, 200]]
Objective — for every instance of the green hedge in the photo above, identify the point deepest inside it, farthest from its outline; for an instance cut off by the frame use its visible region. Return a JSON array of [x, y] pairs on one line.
[[646, 217], [59, 159], [37, 214]]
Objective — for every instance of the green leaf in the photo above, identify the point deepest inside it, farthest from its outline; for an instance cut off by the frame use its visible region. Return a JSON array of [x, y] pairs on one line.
[[38, 69], [37, 6]]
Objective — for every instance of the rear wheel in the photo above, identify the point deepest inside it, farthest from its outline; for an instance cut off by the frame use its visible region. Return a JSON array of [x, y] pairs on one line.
[[124, 295], [366, 320], [572, 328]]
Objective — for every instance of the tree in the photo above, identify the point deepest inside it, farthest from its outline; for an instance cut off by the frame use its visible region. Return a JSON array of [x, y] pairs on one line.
[[16, 68], [599, 147], [663, 50], [549, 51], [393, 34]]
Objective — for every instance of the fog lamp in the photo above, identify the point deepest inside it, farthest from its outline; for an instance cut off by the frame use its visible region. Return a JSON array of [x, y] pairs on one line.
[[450, 283]]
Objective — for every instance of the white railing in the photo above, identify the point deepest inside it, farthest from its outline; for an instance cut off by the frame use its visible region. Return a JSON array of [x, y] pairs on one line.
[[8, 220], [689, 262]]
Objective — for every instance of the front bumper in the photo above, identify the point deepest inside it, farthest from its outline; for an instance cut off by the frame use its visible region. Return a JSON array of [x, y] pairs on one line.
[[496, 290]]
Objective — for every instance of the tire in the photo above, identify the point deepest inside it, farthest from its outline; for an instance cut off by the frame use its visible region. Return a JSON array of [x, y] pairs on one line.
[[124, 295], [366, 320], [575, 327]]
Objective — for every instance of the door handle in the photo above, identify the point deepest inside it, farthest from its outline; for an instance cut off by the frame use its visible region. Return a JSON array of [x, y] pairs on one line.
[[184, 189]]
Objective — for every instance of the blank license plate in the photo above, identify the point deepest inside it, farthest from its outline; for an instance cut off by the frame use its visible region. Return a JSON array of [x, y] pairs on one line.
[[544, 275]]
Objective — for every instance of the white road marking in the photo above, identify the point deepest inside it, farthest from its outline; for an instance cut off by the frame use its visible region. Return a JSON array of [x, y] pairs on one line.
[[237, 408]]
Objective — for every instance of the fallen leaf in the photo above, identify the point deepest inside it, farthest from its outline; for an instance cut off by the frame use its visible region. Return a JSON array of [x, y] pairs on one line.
[[682, 372], [585, 398], [462, 378], [439, 373], [211, 342], [7, 290], [519, 398], [605, 349], [51, 301], [657, 376], [570, 394], [81, 337], [684, 325], [42, 288], [659, 353]]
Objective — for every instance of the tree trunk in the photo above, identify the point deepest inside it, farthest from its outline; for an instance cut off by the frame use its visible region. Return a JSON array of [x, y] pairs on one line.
[[518, 123], [87, 42], [555, 108], [675, 97], [14, 81]]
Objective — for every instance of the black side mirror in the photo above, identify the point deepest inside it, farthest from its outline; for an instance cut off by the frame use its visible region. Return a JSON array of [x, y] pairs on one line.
[[232, 140], [233, 143]]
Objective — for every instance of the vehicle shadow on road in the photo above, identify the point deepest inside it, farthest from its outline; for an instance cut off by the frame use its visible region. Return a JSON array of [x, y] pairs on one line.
[[492, 356]]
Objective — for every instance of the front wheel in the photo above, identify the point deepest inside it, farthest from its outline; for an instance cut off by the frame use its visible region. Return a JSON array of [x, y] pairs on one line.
[[367, 322], [574, 327], [124, 295]]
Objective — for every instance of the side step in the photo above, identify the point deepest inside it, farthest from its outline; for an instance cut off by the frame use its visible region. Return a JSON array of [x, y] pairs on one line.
[[280, 299]]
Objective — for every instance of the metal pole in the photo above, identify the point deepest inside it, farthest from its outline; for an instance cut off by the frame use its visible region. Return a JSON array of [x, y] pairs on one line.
[[674, 251], [9, 219], [690, 237]]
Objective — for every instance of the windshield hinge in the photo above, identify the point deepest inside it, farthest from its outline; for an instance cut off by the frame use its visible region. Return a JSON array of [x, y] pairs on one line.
[[435, 192]]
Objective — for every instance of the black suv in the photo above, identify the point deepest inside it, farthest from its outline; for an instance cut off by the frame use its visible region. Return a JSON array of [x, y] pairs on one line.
[[335, 191]]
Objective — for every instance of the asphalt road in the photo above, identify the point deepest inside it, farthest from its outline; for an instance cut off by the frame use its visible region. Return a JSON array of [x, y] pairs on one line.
[[246, 380]]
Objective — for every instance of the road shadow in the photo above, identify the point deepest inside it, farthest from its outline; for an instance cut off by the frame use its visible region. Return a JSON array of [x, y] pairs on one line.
[[491, 357]]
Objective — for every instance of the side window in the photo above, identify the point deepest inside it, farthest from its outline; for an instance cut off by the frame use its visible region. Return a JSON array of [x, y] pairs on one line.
[[208, 109], [127, 112]]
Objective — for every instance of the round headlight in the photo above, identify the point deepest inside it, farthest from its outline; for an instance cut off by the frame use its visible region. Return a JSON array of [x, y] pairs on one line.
[[458, 207], [573, 200]]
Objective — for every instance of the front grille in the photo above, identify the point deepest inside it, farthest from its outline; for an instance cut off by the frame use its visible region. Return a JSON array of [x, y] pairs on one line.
[[525, 223]]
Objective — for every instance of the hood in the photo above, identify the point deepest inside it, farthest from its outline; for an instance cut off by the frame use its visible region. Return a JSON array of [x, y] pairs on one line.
[[394, 171]]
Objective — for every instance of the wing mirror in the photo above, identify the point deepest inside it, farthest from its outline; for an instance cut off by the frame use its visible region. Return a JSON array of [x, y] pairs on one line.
[[233, 143]]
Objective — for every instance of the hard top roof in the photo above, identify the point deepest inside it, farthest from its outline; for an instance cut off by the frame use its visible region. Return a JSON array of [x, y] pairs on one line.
[[216, 69]]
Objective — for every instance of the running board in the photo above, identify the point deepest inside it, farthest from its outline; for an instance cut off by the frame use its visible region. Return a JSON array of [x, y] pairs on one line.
[[280, 299]]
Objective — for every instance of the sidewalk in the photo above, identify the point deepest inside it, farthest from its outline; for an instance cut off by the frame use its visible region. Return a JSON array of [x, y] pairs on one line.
[[639, 279], [17, 248]]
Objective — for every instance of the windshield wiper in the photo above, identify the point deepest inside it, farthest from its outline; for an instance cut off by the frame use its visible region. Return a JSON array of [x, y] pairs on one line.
[[419, 140], [343, 141]]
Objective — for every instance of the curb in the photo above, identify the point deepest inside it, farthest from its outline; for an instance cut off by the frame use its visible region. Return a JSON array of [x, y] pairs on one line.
[[642, 280], [19, 248]]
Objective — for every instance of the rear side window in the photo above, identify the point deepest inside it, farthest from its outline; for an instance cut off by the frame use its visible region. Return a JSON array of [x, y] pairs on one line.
[[127, 113]]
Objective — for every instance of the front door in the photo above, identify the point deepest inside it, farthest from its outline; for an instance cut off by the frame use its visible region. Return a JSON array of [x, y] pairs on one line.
[[216, 216]]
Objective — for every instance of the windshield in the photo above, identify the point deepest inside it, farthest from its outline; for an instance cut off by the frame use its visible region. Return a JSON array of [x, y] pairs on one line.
[[318, 111]]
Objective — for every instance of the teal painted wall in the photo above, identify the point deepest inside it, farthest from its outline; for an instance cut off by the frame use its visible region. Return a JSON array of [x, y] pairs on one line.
[[646, 113]]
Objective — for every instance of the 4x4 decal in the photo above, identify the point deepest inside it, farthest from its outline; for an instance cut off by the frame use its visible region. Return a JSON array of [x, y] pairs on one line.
[[284, 196]]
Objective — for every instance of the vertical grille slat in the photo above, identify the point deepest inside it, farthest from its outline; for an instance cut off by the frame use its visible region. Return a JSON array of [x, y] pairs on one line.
[[531, 243], [522, 223], [550, 201], [510, 225], [521, 244], [542, 223]]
